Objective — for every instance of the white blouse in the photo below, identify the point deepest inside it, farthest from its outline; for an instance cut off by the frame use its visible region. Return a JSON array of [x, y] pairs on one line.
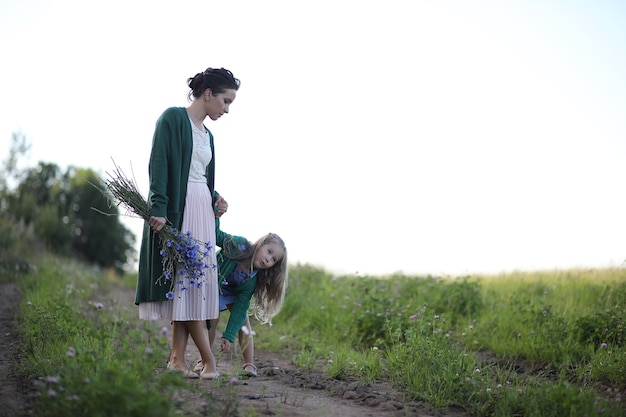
[[201, 155]]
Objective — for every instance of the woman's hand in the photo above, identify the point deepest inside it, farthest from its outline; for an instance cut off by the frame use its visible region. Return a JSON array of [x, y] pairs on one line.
[[157, 223], [220, 207]]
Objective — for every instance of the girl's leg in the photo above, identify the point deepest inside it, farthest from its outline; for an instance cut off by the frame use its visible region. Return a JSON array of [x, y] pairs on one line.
[[200, 336], [212, 331], [246, 343], [180, 335]]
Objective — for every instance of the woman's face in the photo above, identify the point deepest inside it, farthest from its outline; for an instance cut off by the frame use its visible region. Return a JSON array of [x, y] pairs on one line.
[[216, 106], [268, 255]]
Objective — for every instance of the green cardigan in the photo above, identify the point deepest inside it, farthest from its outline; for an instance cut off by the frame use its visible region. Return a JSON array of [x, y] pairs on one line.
[[170, 159], [245, 291]]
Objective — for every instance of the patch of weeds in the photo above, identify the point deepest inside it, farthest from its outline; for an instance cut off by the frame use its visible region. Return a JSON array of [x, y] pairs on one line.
[[608, 364], [340, 364], [604, 327], [305, 359]]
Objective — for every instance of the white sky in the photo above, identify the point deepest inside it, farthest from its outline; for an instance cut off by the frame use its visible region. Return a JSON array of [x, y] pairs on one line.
[[424, 137]]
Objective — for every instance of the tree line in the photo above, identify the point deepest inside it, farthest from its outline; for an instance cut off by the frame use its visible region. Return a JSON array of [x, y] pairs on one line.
[[60, 211]]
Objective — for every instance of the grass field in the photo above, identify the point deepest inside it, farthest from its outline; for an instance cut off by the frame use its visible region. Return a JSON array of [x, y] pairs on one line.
[[522, 344]]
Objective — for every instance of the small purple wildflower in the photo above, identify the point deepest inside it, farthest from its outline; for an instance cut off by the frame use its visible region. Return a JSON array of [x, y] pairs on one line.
[[71, 352], [169, 295], [603, 345], [164, 330]]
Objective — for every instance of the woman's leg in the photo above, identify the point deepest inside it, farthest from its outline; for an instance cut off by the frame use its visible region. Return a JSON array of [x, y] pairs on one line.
[[200, 336], [180, 335]]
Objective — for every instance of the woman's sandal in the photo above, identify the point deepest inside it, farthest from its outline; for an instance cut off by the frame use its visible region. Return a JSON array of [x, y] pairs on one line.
[[185, 372], [249, 372]]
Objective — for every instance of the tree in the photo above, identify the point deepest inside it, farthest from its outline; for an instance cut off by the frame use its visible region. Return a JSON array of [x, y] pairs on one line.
[[99, 238], [19, 148], [59, 207]]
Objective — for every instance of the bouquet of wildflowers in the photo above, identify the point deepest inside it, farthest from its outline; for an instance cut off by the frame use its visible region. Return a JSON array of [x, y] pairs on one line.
[[181, 253]]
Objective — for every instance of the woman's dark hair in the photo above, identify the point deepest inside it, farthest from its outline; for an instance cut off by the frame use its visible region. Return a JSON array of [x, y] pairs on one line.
[[216, 79]]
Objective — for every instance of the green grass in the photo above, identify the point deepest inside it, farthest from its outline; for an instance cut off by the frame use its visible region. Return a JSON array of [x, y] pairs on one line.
[[534, 344], [84, 356], [525, 344]]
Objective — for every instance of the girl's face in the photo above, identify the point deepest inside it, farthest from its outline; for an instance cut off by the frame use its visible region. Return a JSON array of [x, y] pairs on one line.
[[268, 255], [216, 106]]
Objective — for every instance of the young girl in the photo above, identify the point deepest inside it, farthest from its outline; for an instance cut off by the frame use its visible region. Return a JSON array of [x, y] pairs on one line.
[[248, 270]]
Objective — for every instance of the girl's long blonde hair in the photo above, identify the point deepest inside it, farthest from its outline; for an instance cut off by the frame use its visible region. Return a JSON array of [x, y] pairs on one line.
[[271, 283]]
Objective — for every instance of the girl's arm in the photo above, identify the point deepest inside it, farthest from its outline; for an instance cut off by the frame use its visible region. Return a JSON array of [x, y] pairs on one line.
[[220, 236], [239, 310]]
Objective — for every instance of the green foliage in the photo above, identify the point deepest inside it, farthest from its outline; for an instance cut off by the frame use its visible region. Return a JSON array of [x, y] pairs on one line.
[[7, 238], [461, 297], [429, 336], [608, 364], [340, 365], [17, 251], [59, 206], [54, 232], [603, 327], [500, 347], [86, 360], [427, 364], [100, 239], [304, 359]]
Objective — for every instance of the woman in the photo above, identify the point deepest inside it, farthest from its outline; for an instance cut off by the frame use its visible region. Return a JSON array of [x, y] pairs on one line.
[[182, 194]]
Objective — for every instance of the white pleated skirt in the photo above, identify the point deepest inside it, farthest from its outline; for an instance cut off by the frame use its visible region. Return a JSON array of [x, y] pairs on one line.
[[192, 302]]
